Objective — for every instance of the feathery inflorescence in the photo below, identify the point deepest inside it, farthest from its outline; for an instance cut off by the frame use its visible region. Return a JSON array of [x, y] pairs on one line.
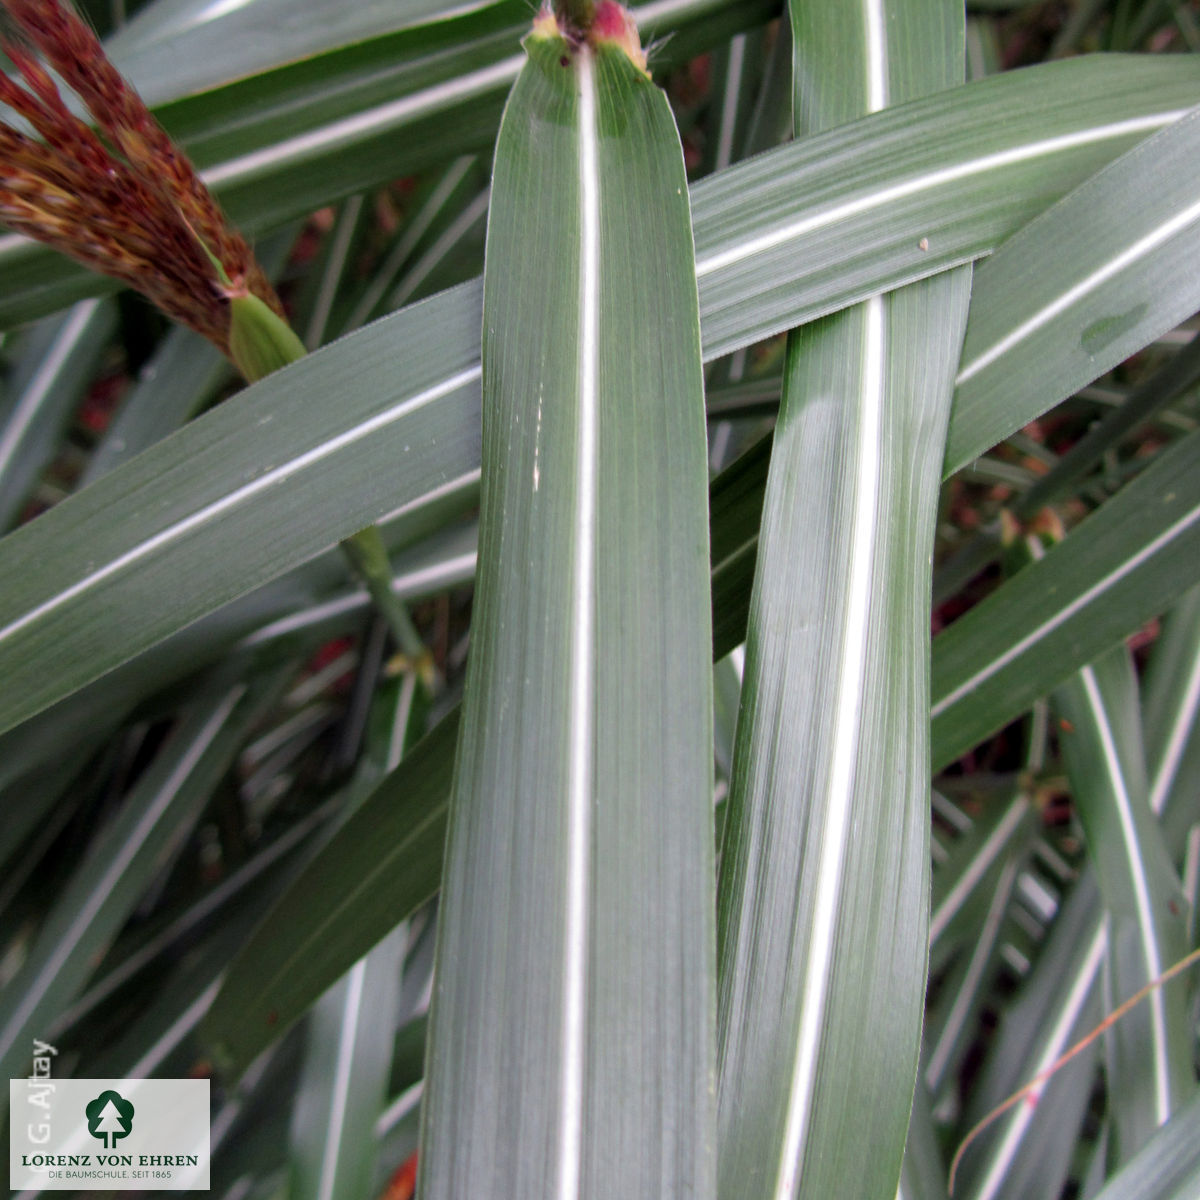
[[122, 198]]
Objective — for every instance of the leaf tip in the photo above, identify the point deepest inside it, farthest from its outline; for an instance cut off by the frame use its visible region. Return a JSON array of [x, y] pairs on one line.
[[614, 25]]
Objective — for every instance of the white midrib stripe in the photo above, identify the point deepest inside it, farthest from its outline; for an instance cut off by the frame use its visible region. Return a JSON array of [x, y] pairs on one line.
[[43, 380], [848, 702], [1177, 740], [733, 89], [840, 786], [583, 599], [1066, 1018], [68, 943], [1139, 249], [269, 479], [928, 181], [1141, 894], [178, 1029], [360, 125], [977, 867], [1064, 614], [981, 955], [347, 1035]]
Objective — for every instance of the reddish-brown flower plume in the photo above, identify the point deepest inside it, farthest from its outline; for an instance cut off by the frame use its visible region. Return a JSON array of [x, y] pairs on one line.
[[124, 200]]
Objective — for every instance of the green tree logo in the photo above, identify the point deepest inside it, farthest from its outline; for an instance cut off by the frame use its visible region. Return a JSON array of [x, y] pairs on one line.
[[109, 1117]]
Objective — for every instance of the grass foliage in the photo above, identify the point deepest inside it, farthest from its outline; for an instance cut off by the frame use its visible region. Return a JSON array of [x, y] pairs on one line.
[[944, 305]]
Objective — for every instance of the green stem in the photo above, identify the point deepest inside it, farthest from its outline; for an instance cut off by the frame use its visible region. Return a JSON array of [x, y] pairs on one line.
[[368, 557]]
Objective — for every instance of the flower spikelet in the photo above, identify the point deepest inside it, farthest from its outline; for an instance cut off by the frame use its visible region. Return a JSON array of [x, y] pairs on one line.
[[122, 198]]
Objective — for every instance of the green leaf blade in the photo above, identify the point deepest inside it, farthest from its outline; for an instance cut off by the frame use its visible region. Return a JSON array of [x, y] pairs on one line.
[[1081, 288], [1123, 565], [228, 481], [823, 899], [583, 782]]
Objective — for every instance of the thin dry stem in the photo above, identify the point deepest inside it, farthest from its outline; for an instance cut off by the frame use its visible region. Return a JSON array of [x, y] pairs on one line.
[[1036, 1082]]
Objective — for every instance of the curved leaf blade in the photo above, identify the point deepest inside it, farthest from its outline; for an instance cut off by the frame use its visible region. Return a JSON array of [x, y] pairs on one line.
[[1080, 288], [1121, 566], [1080, 102], [210, 513], [823, 897]]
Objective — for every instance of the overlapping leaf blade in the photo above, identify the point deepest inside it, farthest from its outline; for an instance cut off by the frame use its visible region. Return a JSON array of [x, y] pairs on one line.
[[1123, 565], [1081, 104], [107, 885], [583, 781], [282, 142], [1167, 1167], [823, 900], [1150, 1063], [1079, 289], [304, 945], [167, 550]]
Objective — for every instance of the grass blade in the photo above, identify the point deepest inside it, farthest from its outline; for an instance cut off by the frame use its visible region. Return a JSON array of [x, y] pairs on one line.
[[823, 898], [925, 185], [343, 1084], [108, 884], [1150, 1065], [1167, 1167], [57, 364], [230, 480], [387, 859], [1171, 713], [1079, 289], [1061, 1001], [583, 782], [1122, 565], [1081, 118], [278, 144]]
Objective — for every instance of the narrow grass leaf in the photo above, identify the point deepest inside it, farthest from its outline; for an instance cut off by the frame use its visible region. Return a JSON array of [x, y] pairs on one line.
[[185, 373], [343, 1085], [1124, 564], [960, 171], [1167, 1167], [1171, 711], [583, 781], [51, 376], [1079, 289], [952, 1023], [211, 512], [280, 143], [387, 859], [1150, 1061], [71, 604], [351, 1034], [67, 611], [375, 871], [967, 877], [924, 185], [100, 896], [1168, 384], [1030, 1146], [823, 897]]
